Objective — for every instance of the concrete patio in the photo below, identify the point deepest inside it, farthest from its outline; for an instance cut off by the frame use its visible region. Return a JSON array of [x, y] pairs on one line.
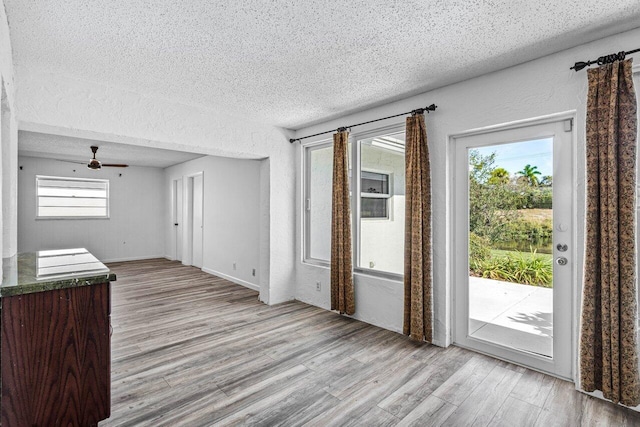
[[510, 314]]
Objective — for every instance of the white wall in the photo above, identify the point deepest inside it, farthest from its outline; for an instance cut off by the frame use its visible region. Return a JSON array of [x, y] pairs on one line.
[[382, 240], [137, 208], [52, 103], [535, 89], [231, 229]]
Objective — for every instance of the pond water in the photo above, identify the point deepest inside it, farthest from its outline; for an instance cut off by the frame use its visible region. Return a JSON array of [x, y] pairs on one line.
[[541, 247]]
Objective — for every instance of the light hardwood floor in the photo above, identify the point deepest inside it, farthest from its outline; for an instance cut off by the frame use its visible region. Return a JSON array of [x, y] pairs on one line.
[[192, 349]]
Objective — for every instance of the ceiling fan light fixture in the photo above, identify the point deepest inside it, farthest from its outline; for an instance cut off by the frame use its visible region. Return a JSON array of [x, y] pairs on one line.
[[94, 164]]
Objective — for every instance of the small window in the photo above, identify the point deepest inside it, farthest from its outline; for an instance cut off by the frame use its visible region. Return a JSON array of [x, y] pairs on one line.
[[60, 197], [374, 195]]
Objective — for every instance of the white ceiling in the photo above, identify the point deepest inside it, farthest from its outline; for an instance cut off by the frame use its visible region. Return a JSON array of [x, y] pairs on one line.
[[292, 62], [78, 150]]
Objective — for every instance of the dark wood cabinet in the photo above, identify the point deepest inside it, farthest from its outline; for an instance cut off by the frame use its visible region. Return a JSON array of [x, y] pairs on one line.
[[56, 355]]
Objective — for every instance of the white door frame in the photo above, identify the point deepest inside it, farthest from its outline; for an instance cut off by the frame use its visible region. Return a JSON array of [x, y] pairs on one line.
[[187, 230], [458, 249], [197, 221], [177, 206]]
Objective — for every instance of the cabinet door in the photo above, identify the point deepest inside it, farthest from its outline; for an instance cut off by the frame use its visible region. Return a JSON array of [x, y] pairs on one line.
[[56, 357]]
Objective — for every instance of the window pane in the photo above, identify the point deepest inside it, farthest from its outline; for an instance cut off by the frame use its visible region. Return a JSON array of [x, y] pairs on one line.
[[374, 183], [382, 218], [72, 212], [70, 201], [319, 215], [67, 197], [373, 208]]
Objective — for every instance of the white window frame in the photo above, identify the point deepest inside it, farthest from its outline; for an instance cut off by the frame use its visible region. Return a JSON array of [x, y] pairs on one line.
[[62, 178], [356, 183]]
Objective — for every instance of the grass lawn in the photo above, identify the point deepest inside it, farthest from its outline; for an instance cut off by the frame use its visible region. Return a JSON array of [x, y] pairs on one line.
[[537, 215], [495, 253]]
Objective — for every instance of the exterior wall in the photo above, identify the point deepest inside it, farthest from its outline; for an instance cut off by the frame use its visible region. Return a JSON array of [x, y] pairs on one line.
[[231, 226], [536, 89], [51, 103], [134, 229], [382, 240]]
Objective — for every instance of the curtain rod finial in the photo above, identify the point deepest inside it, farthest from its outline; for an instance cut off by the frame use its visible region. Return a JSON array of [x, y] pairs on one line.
[[292, 140], [579, 66]]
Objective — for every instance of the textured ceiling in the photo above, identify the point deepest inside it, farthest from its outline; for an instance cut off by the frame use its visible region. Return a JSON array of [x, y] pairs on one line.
[[78, 150], [294, 63]]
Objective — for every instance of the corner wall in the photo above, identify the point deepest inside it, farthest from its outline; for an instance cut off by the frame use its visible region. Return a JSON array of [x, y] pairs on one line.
[[232, 211], [9, 144], [136, 207]]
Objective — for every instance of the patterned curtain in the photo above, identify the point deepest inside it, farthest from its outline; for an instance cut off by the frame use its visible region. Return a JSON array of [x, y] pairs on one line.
[[608, 339], [417, 233], [342, 292]]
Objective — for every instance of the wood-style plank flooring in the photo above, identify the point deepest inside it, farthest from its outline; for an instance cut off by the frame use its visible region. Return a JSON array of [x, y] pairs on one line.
[[191, 349]]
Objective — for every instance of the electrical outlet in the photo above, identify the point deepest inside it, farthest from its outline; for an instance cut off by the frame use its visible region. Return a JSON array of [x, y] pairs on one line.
[[253, 273], [234, 265], [318, 286]]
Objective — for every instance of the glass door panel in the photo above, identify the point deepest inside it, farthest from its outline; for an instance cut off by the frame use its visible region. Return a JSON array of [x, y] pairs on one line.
[[510, 245], [513, 232]]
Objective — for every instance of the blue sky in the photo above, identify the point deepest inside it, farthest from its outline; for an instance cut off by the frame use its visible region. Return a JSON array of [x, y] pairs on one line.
[[514, 156]]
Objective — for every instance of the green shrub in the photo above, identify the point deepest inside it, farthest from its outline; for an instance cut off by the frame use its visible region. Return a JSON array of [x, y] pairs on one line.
[[478, 248], [516, 267], [542, 198]]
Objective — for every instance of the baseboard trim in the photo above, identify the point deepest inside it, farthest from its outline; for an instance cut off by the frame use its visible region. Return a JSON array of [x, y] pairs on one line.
[[232, 279], [133, 258], [356, 317]]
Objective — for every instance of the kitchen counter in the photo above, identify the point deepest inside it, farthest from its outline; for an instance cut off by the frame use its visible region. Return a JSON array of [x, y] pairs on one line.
[[42, 271], [55, 340]]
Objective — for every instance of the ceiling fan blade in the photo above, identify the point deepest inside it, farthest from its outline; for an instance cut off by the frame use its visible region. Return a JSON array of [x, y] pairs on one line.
[[114, 165], [69, 161]]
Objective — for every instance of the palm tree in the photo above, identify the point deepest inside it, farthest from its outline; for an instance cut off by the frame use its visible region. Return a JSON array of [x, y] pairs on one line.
[[499, 176], [528, 174]]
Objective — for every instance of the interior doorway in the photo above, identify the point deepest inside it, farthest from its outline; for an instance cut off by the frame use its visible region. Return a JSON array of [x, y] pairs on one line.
[[514, 237], [176, 218], [194, 224]]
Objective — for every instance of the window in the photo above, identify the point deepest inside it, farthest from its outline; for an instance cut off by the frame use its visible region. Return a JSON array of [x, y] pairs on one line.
[[59, 197], [319, 169], [381, 211], [374, 195], [378, 214]]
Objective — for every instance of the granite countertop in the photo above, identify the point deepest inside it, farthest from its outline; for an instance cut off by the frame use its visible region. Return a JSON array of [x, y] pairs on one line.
[[41, 271]]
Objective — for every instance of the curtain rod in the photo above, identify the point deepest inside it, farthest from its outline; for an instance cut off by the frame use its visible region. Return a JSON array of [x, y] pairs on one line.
[[606, 59], [431, 107]]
